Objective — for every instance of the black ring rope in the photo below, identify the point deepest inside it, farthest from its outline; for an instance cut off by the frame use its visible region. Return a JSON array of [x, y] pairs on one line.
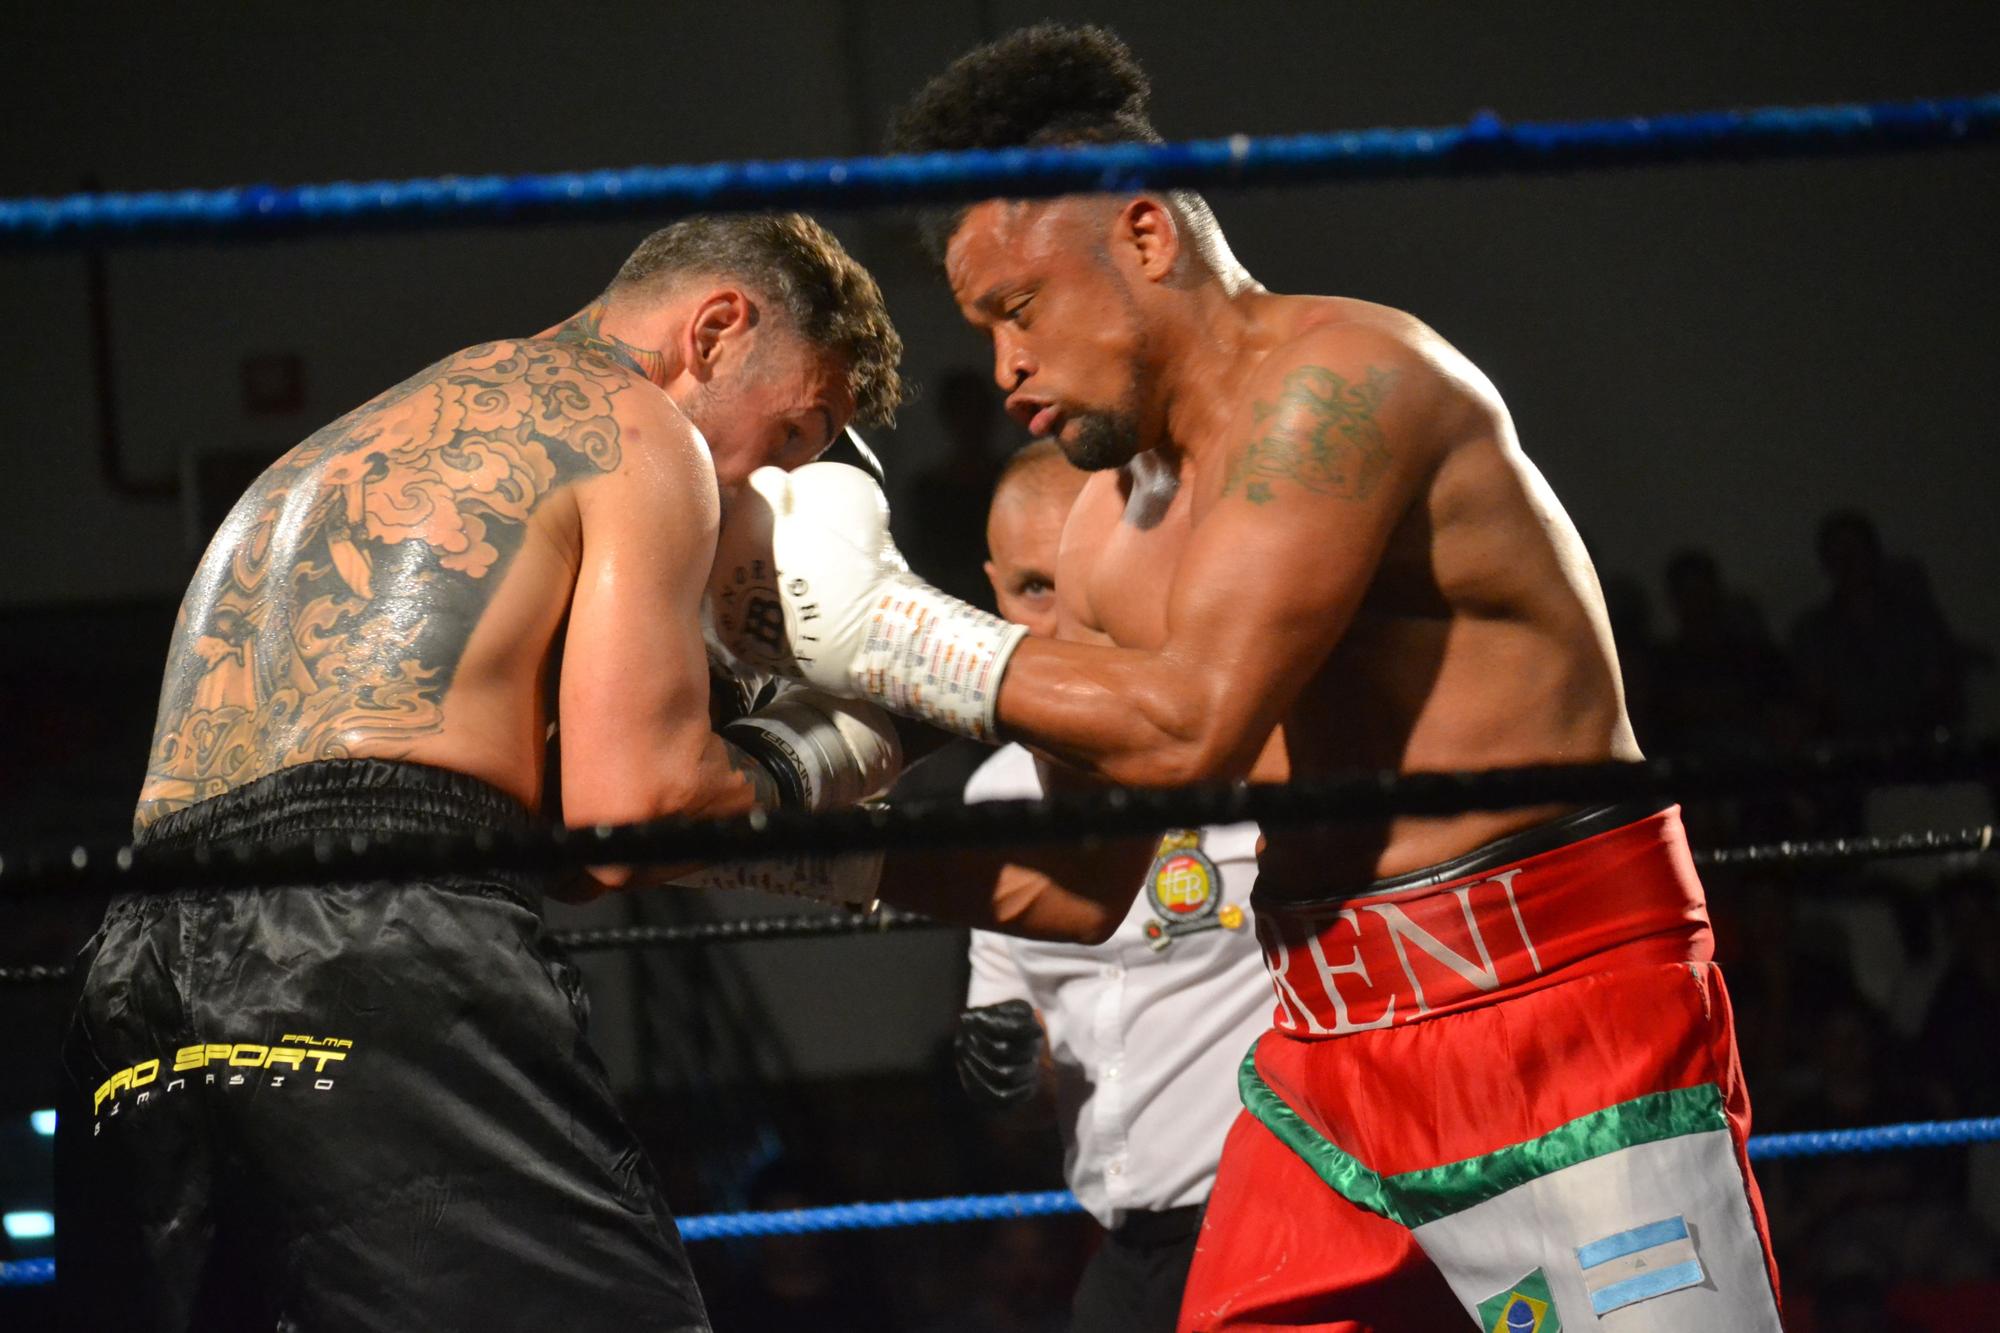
[[892, 920], [1931, 842], [929, 826], [740, 930], [888, 920]]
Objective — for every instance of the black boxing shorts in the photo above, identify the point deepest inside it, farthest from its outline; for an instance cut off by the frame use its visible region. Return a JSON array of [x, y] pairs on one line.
[[363, 1106]]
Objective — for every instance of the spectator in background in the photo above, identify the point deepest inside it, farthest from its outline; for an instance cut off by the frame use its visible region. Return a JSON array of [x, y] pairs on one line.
[[1956, 1046], [1876, 657], [1019, 1280], [817, 1280], [1718, 683], [1718, 674]]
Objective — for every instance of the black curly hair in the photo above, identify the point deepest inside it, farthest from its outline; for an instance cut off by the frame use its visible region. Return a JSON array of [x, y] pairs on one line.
[[1052, 83]]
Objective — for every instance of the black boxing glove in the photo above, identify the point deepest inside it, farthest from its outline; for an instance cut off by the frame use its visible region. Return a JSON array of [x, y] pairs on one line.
[[733, 691], [998, 1050], [825, 753]]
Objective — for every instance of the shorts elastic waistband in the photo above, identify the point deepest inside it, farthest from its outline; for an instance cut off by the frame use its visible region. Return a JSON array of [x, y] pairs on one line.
[[1601, 888], [1496, 855], [340, 796]]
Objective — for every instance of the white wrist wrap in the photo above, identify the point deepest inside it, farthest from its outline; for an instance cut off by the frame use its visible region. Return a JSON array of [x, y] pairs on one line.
[[849, 880], [930, 656]]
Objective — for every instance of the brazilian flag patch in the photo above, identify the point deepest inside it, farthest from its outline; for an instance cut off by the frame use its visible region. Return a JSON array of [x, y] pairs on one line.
[[1525, 1307]]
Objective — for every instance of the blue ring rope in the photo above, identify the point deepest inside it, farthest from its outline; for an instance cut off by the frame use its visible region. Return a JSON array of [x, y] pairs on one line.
[[877, 1216], [1485, 144], [1047, 1203], [985, 1207], [27, 1272]]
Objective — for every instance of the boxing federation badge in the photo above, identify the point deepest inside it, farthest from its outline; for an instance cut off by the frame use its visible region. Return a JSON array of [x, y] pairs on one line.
[[1184, 890]]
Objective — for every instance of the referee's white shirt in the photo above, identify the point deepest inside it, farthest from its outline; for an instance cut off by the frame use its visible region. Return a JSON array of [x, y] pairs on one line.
[[1145, 1030]]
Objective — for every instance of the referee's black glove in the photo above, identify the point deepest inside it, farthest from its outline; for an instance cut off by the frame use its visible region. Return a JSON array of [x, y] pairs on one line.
[[998, 1049]]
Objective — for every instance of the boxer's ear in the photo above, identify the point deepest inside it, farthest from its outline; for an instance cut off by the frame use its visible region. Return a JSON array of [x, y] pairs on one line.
[[1147, 231], [722, 321]]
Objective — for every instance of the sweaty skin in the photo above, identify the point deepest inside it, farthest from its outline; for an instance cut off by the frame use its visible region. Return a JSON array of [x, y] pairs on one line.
[[397, 586], [1330, 555]]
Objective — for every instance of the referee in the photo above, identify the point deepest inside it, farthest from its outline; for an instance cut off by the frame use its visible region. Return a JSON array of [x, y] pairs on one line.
[[1136, 1039]]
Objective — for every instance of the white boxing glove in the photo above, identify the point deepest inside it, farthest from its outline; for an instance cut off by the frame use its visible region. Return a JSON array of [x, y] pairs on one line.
[[807, 583], [826, 753]]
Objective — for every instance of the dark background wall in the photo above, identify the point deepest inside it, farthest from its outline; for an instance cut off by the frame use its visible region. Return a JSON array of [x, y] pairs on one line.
[[1703, 355], [1710, 355]]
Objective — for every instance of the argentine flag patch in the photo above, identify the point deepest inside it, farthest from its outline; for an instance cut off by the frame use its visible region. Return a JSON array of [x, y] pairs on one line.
[[1639, 1264]]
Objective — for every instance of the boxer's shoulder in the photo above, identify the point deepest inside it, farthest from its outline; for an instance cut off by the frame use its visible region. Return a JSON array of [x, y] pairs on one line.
[[1347, 317], [1355, 407], [1367, 375], [1348, 341], [1335, 331]]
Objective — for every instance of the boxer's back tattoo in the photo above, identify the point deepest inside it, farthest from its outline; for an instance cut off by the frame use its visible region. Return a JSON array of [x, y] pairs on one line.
[[1320, 435], [338, 597]]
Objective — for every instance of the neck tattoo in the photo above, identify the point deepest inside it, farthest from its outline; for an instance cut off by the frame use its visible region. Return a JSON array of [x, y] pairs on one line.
[[587, 327]]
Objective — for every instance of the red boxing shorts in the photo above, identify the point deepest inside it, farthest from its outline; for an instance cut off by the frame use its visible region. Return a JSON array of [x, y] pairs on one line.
[[1500, 1093]]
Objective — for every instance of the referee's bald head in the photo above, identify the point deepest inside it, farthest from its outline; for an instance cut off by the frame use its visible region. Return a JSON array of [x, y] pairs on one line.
[[1024, 524]]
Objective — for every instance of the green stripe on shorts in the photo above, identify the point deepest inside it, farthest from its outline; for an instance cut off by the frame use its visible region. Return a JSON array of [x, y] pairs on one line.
[[1416, 1197]]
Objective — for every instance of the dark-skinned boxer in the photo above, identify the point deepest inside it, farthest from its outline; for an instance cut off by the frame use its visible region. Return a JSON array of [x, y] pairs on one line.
[[1502, 1086]]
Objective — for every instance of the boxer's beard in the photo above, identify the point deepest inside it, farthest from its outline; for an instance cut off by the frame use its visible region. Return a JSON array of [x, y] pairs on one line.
[[1108, 437], [1102, 440]]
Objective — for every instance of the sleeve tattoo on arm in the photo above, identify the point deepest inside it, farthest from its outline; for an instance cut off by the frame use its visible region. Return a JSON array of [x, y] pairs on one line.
[[1320, 435]]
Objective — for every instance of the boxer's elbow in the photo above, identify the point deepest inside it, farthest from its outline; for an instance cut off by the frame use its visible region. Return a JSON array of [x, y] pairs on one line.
[[1192, 736], [689, 778], [1178, 762], [645, 795], [639, 796]]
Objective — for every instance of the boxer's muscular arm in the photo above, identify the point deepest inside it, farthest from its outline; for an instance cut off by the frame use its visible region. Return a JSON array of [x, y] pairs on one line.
[[1063, 891], [1336, 436], [636, 741]]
